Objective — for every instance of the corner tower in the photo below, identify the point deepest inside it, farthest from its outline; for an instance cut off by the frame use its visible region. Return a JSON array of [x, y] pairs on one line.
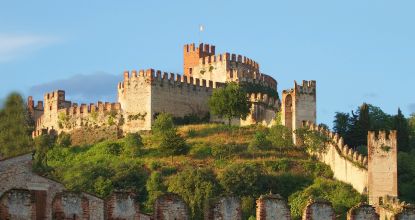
[[382, 166], [192, 54], [299, 104]]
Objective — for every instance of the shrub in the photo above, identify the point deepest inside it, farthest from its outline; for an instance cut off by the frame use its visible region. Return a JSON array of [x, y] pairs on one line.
[[248, 206], [279, 165], [316, 169], [240, 179], [196, 187], [280, 137], [132, 144], [155, 165], [155, 188], [341, 195], [259, 141], [173, 144], [284, 184], [63, 140], [168, 170]]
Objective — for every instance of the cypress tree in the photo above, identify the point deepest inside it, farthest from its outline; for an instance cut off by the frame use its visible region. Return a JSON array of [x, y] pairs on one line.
[[15, 129], [401, 125]]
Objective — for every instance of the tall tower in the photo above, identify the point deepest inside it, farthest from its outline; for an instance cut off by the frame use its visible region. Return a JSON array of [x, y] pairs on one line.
[[382, 166], [299, 104], [192, 54]]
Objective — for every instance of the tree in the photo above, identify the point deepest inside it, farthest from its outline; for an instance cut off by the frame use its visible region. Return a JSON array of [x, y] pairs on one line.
[[173, 144], [15, 129], [162, 124], [401, 126], [42, 145], [229, 102]]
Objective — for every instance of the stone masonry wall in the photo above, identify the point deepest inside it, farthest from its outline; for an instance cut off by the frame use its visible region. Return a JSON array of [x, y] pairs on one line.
[[16, 173], [122, 206], [170, 207], [60, 115], [383, 169], [319, 210], [362, 212], [226, 208], [347, 165], [17, 204], [272, 207], [68, 205]]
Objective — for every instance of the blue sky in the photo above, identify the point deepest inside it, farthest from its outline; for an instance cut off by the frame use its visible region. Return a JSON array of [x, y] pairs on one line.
[[358, 51]]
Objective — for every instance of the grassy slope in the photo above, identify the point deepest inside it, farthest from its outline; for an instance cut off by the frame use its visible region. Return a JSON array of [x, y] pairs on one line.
[[212, 146]]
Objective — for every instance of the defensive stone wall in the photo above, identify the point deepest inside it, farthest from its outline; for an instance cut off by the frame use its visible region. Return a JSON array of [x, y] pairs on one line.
[[362, 211], [347, 165], [170, 206], [148, 93], [225, 208], [319, 210], [272, 207], [60, 115]]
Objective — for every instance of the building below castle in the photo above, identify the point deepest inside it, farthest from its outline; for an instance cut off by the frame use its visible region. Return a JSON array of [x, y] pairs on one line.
[[144, 94]]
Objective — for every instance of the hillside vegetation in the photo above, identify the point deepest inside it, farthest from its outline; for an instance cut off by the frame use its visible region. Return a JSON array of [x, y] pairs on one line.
[[214, 160]]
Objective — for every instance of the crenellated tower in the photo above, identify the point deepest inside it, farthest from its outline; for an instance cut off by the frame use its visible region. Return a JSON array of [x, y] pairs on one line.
[[193, 54], [382, 166], [299, 104]]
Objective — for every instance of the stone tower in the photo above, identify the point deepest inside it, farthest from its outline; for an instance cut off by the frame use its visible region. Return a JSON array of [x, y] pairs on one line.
[[382, 166], [192, 54], [299, 104]]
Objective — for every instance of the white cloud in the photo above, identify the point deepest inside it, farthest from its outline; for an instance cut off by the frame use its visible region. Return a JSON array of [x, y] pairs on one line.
[[15, 46]]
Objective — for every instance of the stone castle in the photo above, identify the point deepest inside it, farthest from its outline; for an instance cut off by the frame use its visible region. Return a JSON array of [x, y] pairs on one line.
[[143, 94]]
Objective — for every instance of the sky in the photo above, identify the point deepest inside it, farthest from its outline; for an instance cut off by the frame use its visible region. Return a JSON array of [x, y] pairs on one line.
[[357, 51]]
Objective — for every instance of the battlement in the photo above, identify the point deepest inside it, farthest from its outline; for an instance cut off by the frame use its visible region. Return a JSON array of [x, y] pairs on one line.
[[152, 75], [54, 95], [99, 107], [264, 99], [31, 104], [385, 136], [343, 149], [229, 57], [202, 48]]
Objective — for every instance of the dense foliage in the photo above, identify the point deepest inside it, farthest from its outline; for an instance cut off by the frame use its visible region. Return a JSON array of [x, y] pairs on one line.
[[229, 102], [341, 195], [15, 127]]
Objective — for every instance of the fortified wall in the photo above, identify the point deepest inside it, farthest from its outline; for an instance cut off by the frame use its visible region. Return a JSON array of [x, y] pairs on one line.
[[375, 175], [59, 115], [144, 94]]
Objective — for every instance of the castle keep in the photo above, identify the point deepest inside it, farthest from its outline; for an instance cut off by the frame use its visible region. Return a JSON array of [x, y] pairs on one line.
[[143, 94]]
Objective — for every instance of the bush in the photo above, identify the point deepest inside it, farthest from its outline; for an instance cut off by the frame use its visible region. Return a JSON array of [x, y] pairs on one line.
[[316, 169], [173, 144], [132, 144], [196, 187], [259, 141], [248, 206], [155, 165], [280, 137], [241, 179], [284, 184], [155, 188], [279, 165], [341, 195], [63, 140]]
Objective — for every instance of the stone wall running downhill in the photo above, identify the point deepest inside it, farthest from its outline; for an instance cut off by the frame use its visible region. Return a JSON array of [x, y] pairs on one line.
[[347, 165]]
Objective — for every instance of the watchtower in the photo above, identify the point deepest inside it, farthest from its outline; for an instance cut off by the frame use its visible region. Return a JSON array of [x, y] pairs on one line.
[[299, 104], [192, 54], [382, 166]]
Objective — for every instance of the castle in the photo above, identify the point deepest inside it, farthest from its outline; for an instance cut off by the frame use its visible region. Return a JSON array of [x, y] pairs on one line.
[[143, 94]]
